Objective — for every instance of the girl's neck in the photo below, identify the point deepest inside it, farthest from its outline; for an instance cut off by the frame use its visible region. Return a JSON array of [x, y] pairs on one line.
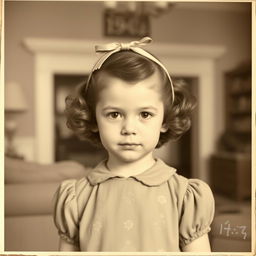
[[127, 169]]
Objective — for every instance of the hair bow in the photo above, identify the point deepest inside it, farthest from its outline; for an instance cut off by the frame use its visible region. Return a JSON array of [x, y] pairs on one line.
[[123, 46], [134, 46]]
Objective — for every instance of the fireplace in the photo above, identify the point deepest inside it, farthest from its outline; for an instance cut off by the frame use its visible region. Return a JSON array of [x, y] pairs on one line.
[[76, 57]]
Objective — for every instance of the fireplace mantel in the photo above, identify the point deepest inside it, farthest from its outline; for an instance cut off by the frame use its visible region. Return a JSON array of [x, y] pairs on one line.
[[42, 45], [77, 57]]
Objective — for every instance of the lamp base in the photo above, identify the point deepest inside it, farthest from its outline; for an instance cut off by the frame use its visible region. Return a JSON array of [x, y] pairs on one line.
[[13, 154], [10, 130]]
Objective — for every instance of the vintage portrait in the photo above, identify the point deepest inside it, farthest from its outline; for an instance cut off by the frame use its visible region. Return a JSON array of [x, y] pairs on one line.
[[128, 127]]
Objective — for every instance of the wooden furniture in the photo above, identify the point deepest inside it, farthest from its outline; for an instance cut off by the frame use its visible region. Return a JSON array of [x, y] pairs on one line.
[[230, 166], [231, 175], [238, 102]]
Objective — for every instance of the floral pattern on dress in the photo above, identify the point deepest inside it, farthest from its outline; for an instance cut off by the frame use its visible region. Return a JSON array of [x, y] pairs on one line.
[[97, 226], [134, 215], [162, 217], [161, 199], [128, 225], [130, 198], [160, 223], [128, 246]]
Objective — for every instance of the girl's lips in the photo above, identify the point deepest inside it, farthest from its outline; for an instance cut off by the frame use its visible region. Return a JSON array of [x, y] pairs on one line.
[[129, 145]]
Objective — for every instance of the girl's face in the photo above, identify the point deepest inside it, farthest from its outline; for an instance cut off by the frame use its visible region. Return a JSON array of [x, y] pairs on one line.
[[130, 118]]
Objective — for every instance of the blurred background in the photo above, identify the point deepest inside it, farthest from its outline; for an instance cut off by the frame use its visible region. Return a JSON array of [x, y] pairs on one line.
[[49, 50]]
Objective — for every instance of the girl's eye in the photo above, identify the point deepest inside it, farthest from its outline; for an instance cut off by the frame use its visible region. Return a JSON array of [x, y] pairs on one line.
[[145, 115], [114, 115]]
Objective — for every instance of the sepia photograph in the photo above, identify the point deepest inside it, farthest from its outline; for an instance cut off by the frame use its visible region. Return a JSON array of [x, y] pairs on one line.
[[128, 127]]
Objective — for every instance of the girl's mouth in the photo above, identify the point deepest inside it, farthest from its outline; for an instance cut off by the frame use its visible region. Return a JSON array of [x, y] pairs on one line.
[[129, 146]]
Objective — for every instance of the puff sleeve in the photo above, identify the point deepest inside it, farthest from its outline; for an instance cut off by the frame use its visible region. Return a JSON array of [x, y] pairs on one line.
[[197, 211], [66, 212]]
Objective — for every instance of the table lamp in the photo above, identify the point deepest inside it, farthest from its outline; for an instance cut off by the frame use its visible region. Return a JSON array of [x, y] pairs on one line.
[[15, 104]]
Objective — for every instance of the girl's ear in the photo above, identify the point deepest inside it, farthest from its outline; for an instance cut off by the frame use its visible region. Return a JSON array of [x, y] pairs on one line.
[[164, 128]]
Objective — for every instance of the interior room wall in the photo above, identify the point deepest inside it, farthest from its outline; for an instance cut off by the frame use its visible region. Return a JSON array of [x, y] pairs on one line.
[[84, 20]]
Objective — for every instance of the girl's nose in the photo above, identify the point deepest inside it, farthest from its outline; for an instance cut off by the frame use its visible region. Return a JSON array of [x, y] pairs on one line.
[[128, 127]]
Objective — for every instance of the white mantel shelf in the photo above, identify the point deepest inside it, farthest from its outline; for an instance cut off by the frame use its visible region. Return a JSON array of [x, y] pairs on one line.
[[42, 45], [77, 56]]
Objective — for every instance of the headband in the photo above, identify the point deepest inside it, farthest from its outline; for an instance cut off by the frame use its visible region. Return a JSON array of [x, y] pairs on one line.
[[134, 46]]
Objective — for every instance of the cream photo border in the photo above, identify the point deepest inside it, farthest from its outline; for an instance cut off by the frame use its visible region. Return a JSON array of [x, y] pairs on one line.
[[2, 252]]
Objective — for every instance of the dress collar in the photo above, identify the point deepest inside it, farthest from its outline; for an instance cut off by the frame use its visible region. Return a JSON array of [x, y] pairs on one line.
[[154, 176]]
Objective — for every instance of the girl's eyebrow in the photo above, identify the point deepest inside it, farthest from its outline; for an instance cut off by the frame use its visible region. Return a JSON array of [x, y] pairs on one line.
[[149, 108], [140, 108], [111, 108]]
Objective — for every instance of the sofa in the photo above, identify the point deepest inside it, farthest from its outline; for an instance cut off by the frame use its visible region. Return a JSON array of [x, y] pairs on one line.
[[29, 202]]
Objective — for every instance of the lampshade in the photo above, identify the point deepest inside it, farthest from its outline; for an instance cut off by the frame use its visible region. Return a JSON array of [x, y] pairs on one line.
[[14, 98]]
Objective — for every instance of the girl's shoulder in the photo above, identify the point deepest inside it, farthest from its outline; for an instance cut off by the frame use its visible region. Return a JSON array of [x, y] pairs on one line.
[[188, 191], [196, 206], [68, 205], [73, 188]]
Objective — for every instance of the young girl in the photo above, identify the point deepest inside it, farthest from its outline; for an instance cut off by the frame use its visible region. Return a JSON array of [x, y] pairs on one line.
[[132, 201]]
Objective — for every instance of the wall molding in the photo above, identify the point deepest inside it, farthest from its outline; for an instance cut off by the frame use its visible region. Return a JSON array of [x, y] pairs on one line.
[[42, 45]]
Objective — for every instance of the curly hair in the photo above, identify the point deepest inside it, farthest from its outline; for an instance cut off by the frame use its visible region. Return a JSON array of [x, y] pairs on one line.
[[130, 67]]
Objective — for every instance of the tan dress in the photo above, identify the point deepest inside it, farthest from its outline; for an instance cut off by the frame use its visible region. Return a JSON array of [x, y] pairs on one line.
[[157, 210]]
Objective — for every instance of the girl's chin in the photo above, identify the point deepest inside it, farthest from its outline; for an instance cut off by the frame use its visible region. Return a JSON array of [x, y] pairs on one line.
[[130, 157]]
